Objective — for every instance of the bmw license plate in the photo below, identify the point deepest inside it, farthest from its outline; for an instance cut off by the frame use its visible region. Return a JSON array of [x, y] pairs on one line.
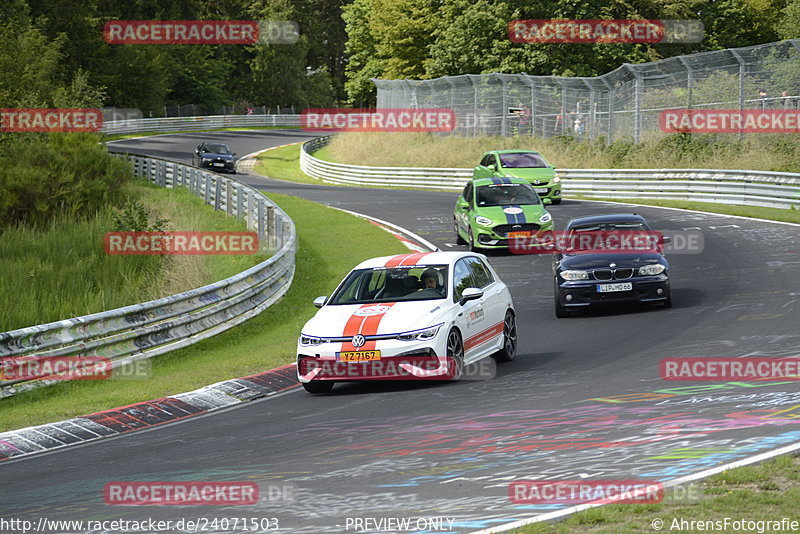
[[358, 356], [609, 288], [218, 164]]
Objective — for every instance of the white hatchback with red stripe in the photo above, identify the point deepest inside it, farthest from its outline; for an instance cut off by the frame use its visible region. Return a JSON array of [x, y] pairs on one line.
[[420, 316]]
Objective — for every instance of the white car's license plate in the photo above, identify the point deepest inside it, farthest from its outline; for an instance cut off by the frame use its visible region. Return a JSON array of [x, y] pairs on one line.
[[218, 164], [609, 288]]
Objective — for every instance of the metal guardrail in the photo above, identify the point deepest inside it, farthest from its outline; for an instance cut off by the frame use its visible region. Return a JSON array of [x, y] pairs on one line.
[[179, 124], [752, 188], [148, 329]]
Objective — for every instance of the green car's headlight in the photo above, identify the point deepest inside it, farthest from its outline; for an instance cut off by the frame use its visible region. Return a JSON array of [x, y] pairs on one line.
[[556, 179], [546, 218], [574, 275], [483, 221], [656, 268]]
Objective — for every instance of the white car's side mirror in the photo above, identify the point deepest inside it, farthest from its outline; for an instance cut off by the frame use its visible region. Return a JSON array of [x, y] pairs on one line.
[[471, 293], [320, 301]]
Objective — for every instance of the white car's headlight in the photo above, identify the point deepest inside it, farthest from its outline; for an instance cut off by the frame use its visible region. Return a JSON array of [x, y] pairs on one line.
[[656, 268], [483, 221], [574, 275], [311, 341], [422, 334], [556, 180], [546, 218]]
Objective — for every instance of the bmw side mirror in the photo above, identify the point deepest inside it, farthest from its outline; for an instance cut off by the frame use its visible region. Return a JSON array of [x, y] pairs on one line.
[[471, 293], [320, 301], [666, 239]]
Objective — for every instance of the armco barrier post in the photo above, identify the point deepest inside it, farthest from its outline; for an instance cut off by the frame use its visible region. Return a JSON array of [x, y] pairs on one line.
[[271, 233], [228, 197]]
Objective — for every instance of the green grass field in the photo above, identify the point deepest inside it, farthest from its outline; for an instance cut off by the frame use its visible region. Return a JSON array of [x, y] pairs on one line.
[[264, 342], [66, 273], [766, 492]]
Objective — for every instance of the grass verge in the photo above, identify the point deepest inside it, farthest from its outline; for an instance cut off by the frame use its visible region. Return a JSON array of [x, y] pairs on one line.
[[764, 492], [265, 341], [770, 152], [66, 273], [283, 164]]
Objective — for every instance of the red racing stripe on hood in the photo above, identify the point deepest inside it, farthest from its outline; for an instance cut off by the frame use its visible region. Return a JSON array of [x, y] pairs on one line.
[[365, 321], [406, 259]]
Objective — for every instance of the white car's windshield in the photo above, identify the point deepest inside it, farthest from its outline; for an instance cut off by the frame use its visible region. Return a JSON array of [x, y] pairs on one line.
[[389, 284]]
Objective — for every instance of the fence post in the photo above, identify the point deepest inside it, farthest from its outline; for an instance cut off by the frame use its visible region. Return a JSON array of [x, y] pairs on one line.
[[207, 196], [217, 193], [504, 111], [271, 233], [742, 71]]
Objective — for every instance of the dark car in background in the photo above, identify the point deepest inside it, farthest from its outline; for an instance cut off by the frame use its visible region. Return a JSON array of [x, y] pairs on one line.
[[215, 156], [588, 275]]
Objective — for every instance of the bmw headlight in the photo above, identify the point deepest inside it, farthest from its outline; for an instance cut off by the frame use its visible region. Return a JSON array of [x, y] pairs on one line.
[[483, 221], [206, 159], [574, 275], [556, 180], [310, 341], [422, 334], [546, 218], [648, 270]]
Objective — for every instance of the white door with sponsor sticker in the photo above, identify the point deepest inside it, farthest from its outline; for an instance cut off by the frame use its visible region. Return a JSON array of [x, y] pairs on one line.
[[493, 306], [480, 320]]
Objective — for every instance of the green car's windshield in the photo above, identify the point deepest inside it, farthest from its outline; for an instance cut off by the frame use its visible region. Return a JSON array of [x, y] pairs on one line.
[[382, 284], [522, 160], [505, 195]]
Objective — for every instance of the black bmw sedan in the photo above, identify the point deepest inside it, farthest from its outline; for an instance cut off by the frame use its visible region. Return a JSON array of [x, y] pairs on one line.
[[610, 258], [215, 156]]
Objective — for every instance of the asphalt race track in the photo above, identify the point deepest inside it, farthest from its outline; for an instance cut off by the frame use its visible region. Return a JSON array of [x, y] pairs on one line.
[[583, 399]]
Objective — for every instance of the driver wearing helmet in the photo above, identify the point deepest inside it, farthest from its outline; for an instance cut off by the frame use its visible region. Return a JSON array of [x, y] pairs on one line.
[[430, 280]]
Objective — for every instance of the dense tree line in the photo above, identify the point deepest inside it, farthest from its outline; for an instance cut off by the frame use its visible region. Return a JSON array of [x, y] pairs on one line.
[[53, 53]]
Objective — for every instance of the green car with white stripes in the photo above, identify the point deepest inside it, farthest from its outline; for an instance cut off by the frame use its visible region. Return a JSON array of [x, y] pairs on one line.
[[490, 211]]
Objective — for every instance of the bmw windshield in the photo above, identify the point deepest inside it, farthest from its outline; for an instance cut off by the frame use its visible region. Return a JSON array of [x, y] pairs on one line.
[[505, 195], [382, 284]]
